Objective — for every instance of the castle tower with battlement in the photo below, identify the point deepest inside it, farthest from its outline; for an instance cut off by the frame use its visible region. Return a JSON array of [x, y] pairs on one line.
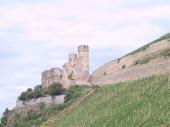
[[74, 72]]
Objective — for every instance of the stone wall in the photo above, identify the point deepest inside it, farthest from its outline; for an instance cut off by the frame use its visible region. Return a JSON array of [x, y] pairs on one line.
[[124, 69], [48, 101]]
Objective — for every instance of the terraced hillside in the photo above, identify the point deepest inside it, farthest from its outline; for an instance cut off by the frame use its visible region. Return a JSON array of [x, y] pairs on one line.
[[141, 103]]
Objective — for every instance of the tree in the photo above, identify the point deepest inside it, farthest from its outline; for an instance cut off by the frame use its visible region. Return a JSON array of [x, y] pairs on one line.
[[23, 96], [55, 89], [4, 118], [30, 94], [38, 91]]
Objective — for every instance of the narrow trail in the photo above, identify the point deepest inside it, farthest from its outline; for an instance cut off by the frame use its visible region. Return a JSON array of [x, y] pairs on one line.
[[70, 108]]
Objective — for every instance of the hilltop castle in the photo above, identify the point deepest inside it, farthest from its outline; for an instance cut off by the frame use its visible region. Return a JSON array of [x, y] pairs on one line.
[[74, 72], [154, 58]]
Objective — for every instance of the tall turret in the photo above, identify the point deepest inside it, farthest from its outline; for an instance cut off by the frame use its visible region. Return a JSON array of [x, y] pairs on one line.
[[83, 62]]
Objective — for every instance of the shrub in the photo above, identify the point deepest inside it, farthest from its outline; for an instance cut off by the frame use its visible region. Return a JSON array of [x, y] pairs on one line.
[[143, 61], [4, 118], [32, 115], [38, 91], [23, 96], [55, 89], [123, 66], [74, 92], [30, 94], [52, 90]]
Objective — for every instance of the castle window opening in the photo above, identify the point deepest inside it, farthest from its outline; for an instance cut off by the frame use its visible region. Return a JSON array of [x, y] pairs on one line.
[[61, 76]]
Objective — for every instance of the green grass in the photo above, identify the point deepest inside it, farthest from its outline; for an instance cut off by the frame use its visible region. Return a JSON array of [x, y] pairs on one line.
[[141, 103], [36, 118]]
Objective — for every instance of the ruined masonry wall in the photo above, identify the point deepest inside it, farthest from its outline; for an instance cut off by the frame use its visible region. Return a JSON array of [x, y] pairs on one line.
[[73, 72], [48, 101], [113, 72]]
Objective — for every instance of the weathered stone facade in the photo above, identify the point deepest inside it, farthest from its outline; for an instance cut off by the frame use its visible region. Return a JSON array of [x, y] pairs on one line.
[[48, 101], [74, 72]]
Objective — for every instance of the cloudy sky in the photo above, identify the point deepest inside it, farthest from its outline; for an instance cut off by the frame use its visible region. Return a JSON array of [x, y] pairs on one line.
[[38, 34]]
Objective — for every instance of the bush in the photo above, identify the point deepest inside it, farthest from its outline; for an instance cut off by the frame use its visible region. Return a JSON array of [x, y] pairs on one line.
[[32, 115], [52, 90], [74, 92], [143, 61], [23, 96], [38, 91], [30, 94], [123, 66], [4, 118], [55, 89]]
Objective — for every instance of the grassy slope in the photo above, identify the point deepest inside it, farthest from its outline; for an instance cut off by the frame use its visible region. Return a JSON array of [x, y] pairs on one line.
[[139, 103], [36, 119]]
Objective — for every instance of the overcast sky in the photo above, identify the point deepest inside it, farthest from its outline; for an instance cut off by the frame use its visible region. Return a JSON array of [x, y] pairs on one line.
[[38, 34]]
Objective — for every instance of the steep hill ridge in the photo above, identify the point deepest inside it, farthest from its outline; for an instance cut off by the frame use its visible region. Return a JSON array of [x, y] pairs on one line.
[[139, 103], [148, 60]]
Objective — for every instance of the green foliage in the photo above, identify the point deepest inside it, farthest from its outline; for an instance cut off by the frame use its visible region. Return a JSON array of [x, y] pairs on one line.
[[38, 91], [141, 103], [52, 90], [23, 96], [74, 92], [30, 94], [32, 115], [4, 118], [32, 120], [55, 89], [142, 61], [36, 118]]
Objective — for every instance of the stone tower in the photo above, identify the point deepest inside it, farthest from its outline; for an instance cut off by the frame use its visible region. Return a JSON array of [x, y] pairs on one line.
[[74, 72], [83, 65]]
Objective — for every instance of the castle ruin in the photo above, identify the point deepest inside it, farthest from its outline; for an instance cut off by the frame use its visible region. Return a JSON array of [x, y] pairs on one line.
[[74, 72]]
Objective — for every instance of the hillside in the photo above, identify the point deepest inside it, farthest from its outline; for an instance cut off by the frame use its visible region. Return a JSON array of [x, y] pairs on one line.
[[144, 102]]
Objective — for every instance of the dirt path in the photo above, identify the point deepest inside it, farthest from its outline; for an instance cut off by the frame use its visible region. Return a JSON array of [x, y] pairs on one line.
[[68, 109]]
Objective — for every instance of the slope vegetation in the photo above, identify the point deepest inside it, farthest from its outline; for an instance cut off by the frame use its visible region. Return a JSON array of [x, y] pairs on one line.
[[141, 103]]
